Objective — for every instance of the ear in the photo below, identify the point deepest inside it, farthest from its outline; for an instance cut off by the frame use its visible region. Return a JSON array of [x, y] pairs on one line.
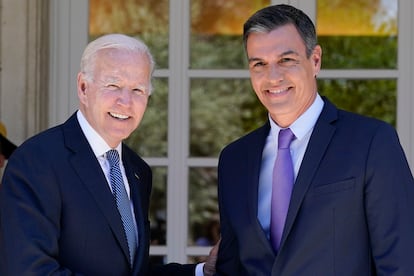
[[82, 86], [317, 59]]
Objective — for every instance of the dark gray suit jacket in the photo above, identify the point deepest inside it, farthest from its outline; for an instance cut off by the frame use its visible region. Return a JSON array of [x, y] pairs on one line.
[[351, 210]]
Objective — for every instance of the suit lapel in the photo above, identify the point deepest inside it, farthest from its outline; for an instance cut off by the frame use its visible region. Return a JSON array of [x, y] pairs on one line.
[[318, 143], [90, 172]]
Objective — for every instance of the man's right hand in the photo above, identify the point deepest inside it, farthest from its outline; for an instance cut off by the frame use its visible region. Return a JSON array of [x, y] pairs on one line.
[[210, 264]]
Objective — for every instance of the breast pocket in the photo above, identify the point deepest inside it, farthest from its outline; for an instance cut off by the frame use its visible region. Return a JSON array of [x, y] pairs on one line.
[[333, 187]]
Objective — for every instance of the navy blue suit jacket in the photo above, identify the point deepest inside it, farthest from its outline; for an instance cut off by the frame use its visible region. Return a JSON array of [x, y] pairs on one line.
[[351, 210], [58, 215]]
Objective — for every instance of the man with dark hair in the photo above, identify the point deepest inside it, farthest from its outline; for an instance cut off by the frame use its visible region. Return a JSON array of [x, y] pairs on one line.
[[316, 190]]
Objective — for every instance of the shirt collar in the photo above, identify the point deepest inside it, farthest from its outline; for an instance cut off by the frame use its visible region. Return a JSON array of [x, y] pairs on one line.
[[97, 143], [304, 123]]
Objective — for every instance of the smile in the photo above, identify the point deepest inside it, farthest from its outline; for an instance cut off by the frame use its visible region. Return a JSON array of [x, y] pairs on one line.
[[278, 91], [118, 116]]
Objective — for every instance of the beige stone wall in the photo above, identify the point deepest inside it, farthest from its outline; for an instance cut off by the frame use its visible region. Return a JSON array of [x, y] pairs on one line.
[[24, 66]]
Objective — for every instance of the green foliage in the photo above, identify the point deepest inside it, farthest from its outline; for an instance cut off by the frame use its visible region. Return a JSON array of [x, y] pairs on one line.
[[203, 195], [220, 113], [217, 52], [356, 52], [374, 98]]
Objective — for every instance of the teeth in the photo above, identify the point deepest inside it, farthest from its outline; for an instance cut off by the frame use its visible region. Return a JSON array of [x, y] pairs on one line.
[[119, 116], [277, 91]]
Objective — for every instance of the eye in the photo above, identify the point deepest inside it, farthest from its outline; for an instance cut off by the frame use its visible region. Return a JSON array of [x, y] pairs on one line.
[[112, 86], [259, 64], [288, 61], [140, 91]]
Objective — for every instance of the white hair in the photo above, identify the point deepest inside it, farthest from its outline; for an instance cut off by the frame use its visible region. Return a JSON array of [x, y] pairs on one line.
[[112, 41]]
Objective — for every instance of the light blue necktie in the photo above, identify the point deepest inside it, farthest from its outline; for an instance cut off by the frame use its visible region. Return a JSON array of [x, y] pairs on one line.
[[122, 202], [283, 178]]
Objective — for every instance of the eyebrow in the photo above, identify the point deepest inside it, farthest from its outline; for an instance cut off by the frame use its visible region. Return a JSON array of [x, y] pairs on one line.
[[286, 53], [142, 87], [115, 80], [254, 59]]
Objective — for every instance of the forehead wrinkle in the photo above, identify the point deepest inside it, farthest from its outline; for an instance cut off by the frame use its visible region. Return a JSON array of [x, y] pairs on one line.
[[289, 52], [111, 79]]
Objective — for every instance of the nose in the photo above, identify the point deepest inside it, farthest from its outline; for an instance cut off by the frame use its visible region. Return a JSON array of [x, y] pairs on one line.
[[275, 73], [124, 97]]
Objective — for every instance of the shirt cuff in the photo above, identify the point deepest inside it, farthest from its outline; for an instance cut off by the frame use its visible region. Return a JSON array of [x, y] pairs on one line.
[[199, 269]]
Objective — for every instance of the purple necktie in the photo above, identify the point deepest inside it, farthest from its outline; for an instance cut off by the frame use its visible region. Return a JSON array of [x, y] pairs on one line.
[[283, 178]]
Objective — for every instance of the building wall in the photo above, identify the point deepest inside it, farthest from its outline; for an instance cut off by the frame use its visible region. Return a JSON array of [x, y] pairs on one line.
[[24, 67]]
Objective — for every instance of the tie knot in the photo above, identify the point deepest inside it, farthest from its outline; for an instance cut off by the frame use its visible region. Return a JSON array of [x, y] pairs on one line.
[[285, 138], [113, 157]]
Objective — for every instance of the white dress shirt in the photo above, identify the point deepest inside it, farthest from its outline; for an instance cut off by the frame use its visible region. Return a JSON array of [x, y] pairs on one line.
[[99, 148], [302, 128]]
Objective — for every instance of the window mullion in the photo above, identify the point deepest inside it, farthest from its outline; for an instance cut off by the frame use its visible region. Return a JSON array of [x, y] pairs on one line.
[[178, 118]]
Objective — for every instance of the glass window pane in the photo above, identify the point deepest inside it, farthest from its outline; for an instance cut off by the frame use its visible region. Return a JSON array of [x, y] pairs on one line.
[[150, 138], [146, 19], [158, 205], [216, 32], [358, 33], [374, 98], [221, 111], [204, 227]]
